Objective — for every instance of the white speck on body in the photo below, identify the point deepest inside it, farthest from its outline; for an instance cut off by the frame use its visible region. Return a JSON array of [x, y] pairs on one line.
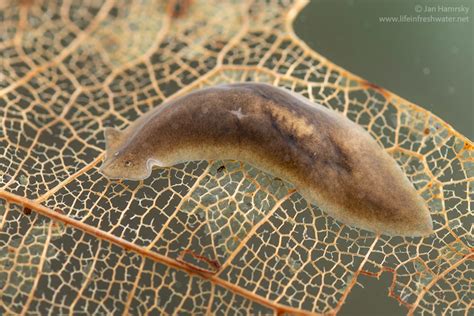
[[238, 113]]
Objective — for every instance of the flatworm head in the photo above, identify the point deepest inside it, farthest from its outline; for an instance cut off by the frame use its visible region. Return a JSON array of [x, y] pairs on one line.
[[333, 162], [123, 160]]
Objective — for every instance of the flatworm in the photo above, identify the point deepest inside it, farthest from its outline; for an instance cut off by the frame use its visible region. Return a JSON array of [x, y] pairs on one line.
[[333, 162]]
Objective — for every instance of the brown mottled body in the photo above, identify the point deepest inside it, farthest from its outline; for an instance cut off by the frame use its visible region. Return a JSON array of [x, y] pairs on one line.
[[333, 162]]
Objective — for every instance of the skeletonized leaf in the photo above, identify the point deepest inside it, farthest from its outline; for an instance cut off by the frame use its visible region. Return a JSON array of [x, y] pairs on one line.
[[206, 236]]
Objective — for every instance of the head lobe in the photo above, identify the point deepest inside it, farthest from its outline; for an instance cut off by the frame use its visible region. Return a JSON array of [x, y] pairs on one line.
[[123, 160]]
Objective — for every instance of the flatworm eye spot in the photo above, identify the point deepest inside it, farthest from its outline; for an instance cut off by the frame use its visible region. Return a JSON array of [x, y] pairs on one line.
[[128, 163]]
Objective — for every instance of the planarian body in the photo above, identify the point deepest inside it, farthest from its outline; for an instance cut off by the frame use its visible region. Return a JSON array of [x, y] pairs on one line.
[[333, 162]]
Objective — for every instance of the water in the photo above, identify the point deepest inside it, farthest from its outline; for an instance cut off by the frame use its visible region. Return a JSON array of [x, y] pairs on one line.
[[430, 64]]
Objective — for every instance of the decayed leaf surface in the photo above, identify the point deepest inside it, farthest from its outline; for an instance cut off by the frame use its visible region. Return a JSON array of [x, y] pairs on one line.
[[203, 236]]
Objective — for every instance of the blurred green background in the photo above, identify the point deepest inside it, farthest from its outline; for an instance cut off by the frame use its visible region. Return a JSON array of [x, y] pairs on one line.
[[430, 64]]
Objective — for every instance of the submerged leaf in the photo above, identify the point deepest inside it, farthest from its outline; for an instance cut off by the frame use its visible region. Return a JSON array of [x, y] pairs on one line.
[[218, 237]]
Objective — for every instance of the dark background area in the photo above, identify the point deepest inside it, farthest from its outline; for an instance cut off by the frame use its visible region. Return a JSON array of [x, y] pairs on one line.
[[430, 64]]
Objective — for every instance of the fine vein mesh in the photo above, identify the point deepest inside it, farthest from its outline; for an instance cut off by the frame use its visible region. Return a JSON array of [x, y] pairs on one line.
[[249, 242]]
